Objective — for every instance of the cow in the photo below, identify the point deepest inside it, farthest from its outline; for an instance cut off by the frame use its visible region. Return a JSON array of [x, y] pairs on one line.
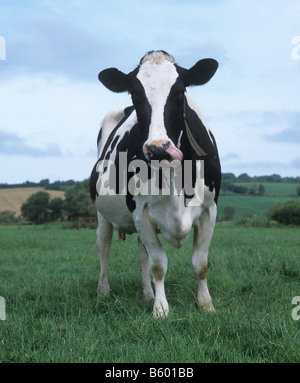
[[162, 126]]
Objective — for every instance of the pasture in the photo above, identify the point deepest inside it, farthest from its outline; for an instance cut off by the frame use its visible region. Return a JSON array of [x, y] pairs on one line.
[[259, 204], [250, 205], [48, 277]]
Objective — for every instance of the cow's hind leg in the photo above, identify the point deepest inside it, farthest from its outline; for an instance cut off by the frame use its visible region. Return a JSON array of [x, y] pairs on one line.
[[203, 232], [103, 244], [146, 288]]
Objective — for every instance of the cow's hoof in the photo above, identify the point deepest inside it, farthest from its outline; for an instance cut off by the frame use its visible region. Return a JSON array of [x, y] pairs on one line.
[[103, 291], [160, 312], [207, 307], [147, 295]]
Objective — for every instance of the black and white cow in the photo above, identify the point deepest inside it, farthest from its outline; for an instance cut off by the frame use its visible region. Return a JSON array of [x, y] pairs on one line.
[[163, 126]]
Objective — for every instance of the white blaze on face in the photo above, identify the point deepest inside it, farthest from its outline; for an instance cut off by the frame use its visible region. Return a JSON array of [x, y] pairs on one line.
[[157, 74]]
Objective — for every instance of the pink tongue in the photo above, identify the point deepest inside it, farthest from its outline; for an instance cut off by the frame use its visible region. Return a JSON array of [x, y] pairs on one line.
[[175, 153]]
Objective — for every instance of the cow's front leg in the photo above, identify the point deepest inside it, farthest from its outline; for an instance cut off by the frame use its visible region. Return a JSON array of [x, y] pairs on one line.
[[103, 244], [159, 264], [146, 288], [158, 260], [202, 237]]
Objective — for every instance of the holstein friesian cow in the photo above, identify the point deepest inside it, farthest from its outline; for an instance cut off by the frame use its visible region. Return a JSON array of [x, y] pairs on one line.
[[163, 126]]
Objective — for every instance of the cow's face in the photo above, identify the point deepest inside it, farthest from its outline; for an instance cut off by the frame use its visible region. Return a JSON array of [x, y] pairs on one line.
[[157, 89]]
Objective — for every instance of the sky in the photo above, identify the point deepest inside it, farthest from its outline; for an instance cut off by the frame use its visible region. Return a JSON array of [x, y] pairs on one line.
[[51, 102]]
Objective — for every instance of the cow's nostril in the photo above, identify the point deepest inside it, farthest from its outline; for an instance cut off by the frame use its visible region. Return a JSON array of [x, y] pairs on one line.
[[162, 151], [155, 152], [149, 152]]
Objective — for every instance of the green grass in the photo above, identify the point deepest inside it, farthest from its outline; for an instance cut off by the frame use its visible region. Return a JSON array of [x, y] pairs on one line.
[[49, 277]]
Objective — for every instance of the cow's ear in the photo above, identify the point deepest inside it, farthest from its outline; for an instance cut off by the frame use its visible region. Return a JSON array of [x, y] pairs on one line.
[[114, 80], [200, 73]]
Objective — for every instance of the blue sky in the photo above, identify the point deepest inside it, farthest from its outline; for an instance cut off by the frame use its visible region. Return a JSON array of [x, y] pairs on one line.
[[51, 102]]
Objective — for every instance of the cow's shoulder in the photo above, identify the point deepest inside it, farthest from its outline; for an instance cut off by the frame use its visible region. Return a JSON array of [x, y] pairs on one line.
[[110, 123], [203, 136]]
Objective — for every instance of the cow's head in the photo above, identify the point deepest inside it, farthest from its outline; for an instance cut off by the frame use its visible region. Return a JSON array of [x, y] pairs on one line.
[[157, 88]]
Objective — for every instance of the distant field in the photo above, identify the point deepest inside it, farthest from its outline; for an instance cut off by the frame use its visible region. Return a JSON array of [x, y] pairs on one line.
[[257, 205], [274, 188], [13, 199]]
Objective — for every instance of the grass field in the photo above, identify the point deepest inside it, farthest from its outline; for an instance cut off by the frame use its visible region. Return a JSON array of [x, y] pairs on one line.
[[247, 204], [275, 188], [48, 277], [257, 204]]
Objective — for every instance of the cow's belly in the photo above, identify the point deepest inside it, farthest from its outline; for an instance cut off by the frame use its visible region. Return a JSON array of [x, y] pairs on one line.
[[168, 215], [173, 220], [114, 209]]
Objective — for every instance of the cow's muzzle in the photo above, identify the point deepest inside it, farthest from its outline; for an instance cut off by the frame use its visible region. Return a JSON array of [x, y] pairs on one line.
[[159, 150]]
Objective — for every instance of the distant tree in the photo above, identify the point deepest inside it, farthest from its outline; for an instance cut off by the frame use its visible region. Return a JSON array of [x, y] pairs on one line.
[[44, 183], [274, 178], [29, 184], [35, 209], [55, 207], [298, 191], [238, 189], [244, 178], [253, 189], [287, 213], [289, 180], [60, 185], [8, 216], [54, 186], [229, 212], [225, 185], [261, 189], [228, 177], [78, 202]]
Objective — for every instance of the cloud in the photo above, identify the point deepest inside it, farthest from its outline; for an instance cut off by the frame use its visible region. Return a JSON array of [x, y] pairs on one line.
[[290, 120], [260, 167], [295, 163], [12, 144], [91, 153], [52, 45], [290, 136], [230, 156], [54, 50]]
